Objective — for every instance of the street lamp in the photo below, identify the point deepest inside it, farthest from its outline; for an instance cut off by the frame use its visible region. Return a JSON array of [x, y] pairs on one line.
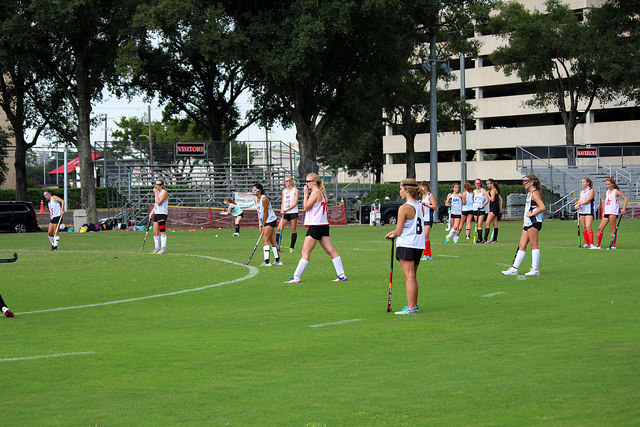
[[429, 67]]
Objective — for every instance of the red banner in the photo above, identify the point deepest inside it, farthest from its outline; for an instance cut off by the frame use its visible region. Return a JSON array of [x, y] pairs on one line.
[[190, 149], [586, 153]]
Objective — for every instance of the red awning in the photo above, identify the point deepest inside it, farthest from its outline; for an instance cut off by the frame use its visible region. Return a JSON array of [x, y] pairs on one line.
[[73, 164]]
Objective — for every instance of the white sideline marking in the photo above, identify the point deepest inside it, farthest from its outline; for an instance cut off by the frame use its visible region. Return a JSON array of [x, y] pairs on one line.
[[446, 256], [253, 271], [493, 294], [46, 356], [364, 250], [321, 325]]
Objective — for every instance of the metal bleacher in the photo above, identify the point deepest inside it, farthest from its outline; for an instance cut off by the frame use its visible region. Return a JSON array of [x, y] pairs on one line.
[[564, 180]]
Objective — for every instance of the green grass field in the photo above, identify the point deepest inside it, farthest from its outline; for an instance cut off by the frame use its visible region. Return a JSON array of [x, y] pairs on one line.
[[239, 348]]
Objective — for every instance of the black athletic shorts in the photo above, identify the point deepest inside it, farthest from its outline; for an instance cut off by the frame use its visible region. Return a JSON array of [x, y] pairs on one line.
[[429, 223], [159, 217], [54, 220], [583, 214], [290, 216], [272, 224], [241, 215], [318, 231], [479, 213], [408, 254], [495, 211], [455, 216], [609, 215], [536, 225]]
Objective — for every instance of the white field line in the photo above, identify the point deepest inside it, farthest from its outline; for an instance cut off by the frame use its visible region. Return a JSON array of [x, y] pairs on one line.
[[493, 294], [46, 356], [322, 325], [253, 271], [446, 256]]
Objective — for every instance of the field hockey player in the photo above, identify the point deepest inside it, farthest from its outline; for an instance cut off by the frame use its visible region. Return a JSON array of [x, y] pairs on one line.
[[234, 210], [289, 209], [158, 216], [56, 211], [611, 212], [454, 202], [267, 221], [586, 211], [409, 232], [430, 206]]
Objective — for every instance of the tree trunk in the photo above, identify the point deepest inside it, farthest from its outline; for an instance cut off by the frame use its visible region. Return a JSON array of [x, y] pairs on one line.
[[411, 156], [308, 144], [20, 164], [569, 138], [83, 144]]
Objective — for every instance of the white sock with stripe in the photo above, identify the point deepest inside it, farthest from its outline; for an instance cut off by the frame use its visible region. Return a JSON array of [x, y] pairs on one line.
[[163, 241], [535, 258], [265, 249], [519, 257]]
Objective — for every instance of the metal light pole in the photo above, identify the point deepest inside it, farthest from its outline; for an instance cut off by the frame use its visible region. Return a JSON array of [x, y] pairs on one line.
[[433, 122], [463, 125]]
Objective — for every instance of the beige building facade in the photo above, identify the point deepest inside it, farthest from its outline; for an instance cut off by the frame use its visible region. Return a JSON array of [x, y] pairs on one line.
[[10, 182], [502, 122]]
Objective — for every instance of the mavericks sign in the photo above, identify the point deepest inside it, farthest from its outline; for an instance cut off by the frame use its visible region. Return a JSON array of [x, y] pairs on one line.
[[587, 153], [191, 149]]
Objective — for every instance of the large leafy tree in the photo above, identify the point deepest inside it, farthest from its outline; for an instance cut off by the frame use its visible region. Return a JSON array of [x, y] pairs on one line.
[[191, 59], [77, 45], [553, 50], [4, 143], [308, 58], [616, 27]]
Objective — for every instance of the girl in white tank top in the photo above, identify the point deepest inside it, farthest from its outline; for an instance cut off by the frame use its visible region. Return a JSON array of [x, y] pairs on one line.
[[586, 211], [267, 221], [611, 212], [289, 210], [315, 206], [409, 231]]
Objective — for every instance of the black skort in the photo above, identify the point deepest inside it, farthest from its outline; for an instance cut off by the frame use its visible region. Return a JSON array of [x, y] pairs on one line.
[[54, 220], [537, 226], [290, 216], [159, 217], [272, 224], [318, 231], [409, 254], [454, 216]]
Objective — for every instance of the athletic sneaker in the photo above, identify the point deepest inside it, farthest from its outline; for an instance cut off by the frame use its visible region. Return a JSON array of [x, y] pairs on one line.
[[455, 240], [8, 313], [155, 251], [512, 271], [424, 258], [429, 258], [595, 247], [468, 237], [290, 249], [407, 310], [417, 307], [293, 280], [277, 263], [161, 252], [235, 234], [533, 272], [612, 247], [586, 245], [55, 248], [265, 264], [340, 279], [52, 248], [446, 240]]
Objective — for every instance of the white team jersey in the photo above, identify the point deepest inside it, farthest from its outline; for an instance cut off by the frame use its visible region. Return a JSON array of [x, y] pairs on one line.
[[288, 200], [317, 215], [428, 214], [588, 208], [478, 199], [162, 208], [469, 205], [271, 215], [456, 205], [413, 231], [54, 209], [531, 206], [611, 206]]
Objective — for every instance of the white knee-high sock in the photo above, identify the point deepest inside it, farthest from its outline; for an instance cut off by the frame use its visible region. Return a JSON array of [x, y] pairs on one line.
[[266, 249], [51, 239], [302, 265], [451, 233], [156, 242], [56, 240], [519, 257], [163, 241], [337, 264], [535, 258], [276, 255]]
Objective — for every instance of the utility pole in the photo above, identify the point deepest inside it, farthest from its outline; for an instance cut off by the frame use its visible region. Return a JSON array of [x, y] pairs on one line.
[[433, 122], [463, 125], [150, 140]]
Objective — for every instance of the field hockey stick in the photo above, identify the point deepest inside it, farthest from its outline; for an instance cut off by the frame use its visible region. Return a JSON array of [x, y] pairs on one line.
[[14, 259], [58, 226], [393, 241], [578, 220], [280, 237], [615, 233], [254, 250], [146, 233]]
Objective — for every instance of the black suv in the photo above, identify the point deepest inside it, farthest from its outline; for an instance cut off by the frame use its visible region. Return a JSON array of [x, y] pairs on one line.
[[18, 217], [389, 212]]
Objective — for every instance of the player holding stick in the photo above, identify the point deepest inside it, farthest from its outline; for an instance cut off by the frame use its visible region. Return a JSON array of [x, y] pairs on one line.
[[56, 211], [158, 216], [611, 212], [289, 210], [267, 221], [585, 206], [234, 210], [410, 240]]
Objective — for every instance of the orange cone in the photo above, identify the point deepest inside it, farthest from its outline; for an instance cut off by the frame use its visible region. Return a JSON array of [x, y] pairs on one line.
[[41, 206]]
